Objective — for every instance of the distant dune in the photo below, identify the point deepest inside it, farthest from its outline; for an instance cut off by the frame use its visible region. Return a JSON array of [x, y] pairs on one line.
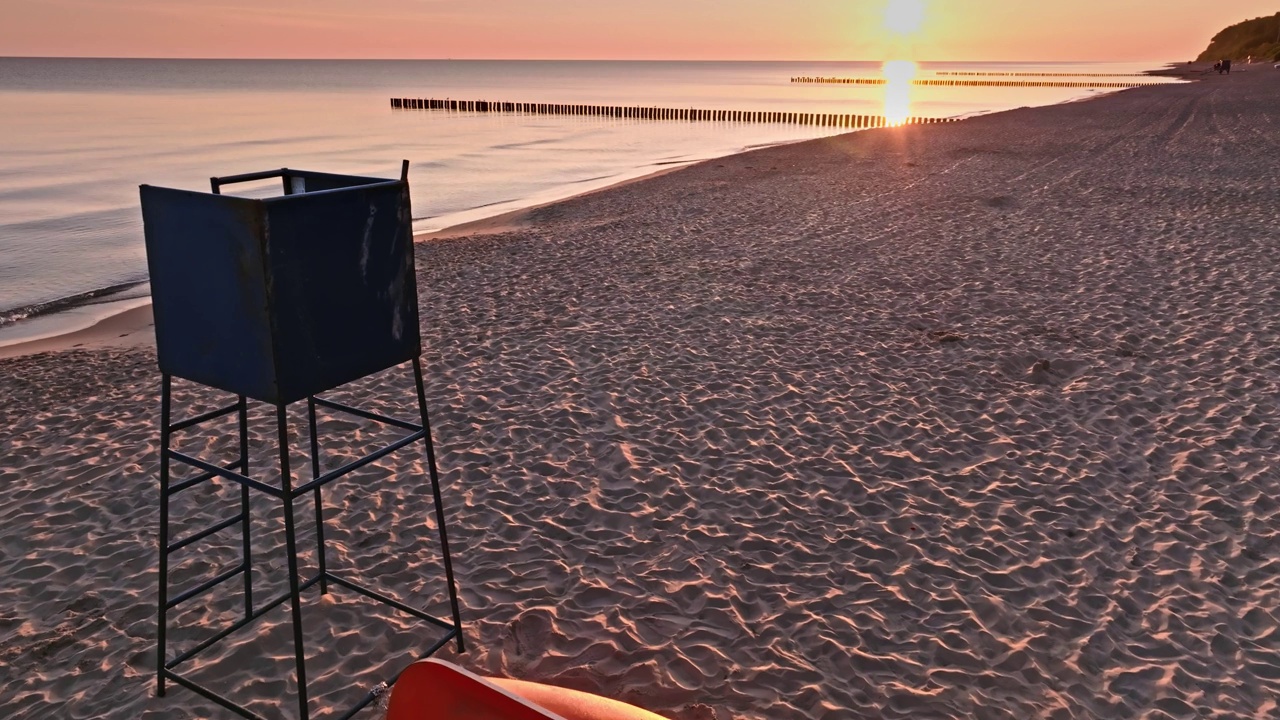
[[1258, 38]]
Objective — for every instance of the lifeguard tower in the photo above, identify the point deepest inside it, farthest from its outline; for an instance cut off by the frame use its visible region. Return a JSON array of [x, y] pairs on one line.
[[278, 300]]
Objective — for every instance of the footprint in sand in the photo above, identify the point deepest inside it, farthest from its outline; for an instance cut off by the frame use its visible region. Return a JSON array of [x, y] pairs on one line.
[[1036, 370], [1001, 202], [527, 635]]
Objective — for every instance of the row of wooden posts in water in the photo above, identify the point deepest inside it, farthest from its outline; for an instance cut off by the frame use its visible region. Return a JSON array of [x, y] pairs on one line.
[[970, 73], [656, 113], [979, 83]]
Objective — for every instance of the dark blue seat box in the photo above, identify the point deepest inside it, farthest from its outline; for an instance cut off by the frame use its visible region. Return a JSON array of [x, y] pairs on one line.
[[283, 297]]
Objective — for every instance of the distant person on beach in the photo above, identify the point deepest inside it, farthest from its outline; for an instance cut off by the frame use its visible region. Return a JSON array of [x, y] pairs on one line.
[[1217, 67], [1226, 66]]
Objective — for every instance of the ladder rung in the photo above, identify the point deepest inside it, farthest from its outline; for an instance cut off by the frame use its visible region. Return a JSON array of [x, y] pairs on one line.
[[205, 586], [244, 622], [385, 600], [204, 417], [177, 487], [328, 477], [395, 422], [205, 533], [226, 473], [206, 692]]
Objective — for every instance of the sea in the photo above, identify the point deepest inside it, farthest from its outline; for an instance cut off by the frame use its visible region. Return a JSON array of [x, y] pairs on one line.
[[79, 135]]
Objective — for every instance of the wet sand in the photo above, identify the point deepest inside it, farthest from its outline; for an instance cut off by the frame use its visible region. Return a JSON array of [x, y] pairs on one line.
[[969, 420]]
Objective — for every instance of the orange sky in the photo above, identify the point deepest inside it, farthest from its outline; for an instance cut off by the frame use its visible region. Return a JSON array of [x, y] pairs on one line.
[[1163, 30]]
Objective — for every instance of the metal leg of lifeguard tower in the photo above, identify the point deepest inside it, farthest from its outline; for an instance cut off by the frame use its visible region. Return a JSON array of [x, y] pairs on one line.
[[239, 471]]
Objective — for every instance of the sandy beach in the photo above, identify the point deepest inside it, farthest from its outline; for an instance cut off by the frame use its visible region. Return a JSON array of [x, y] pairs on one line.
[[974, 420]]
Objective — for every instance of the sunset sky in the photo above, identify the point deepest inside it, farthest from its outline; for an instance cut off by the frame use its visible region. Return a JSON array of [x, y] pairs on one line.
[[1163, 30]]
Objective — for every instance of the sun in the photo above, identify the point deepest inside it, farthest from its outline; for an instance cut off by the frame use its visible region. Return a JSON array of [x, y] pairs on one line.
[[898, 75], [904, 17], [900, 72]]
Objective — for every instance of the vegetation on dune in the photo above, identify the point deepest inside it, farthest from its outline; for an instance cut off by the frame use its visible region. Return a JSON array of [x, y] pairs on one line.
[[1258, 38]]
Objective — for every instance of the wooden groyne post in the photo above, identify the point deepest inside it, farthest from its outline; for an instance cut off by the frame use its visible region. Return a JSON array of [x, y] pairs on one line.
[[837, 120], [934, 82], [969, 73]]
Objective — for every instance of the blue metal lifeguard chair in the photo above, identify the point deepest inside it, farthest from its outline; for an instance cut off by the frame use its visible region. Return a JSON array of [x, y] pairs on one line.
[[248, 294]]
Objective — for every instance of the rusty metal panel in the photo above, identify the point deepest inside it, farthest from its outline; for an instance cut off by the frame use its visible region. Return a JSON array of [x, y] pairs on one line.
[[209, 289], [342, 288]]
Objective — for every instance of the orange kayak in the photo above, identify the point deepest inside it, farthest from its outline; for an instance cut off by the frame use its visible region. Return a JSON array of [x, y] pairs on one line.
[[438, 690]]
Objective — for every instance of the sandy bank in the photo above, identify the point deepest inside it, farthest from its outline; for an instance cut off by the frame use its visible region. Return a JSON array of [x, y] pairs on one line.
[[969, 420], [131, 327]]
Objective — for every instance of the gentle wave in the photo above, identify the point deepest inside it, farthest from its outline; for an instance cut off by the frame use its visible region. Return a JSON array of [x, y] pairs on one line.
[[8, 317]]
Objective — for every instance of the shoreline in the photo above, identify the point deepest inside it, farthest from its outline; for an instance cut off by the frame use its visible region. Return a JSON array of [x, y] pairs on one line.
[[520, 219], [126, 332], [132, 325], [70, 318], [129, 328]]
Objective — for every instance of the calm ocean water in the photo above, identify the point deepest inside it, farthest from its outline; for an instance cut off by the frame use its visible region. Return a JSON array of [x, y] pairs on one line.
[[77, 137]]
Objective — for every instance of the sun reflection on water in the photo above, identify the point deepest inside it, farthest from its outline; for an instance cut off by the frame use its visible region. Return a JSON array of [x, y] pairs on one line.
[[898, 75]]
